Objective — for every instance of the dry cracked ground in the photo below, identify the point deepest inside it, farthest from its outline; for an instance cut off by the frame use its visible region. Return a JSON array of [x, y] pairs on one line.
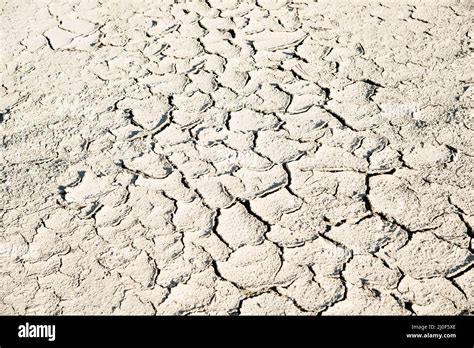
[[236, 157]]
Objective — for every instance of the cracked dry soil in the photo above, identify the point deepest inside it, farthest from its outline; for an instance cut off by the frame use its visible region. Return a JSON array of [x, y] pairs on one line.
[[236, 157]]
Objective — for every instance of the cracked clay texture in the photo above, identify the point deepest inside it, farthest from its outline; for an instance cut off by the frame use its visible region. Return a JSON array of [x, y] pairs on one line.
[[231, 157]]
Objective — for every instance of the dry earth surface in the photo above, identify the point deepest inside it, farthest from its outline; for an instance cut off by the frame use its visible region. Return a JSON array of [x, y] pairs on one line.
[[236, 157]]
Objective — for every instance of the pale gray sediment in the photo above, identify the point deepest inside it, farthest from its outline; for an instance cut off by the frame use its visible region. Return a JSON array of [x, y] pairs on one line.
[[236, 157]]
